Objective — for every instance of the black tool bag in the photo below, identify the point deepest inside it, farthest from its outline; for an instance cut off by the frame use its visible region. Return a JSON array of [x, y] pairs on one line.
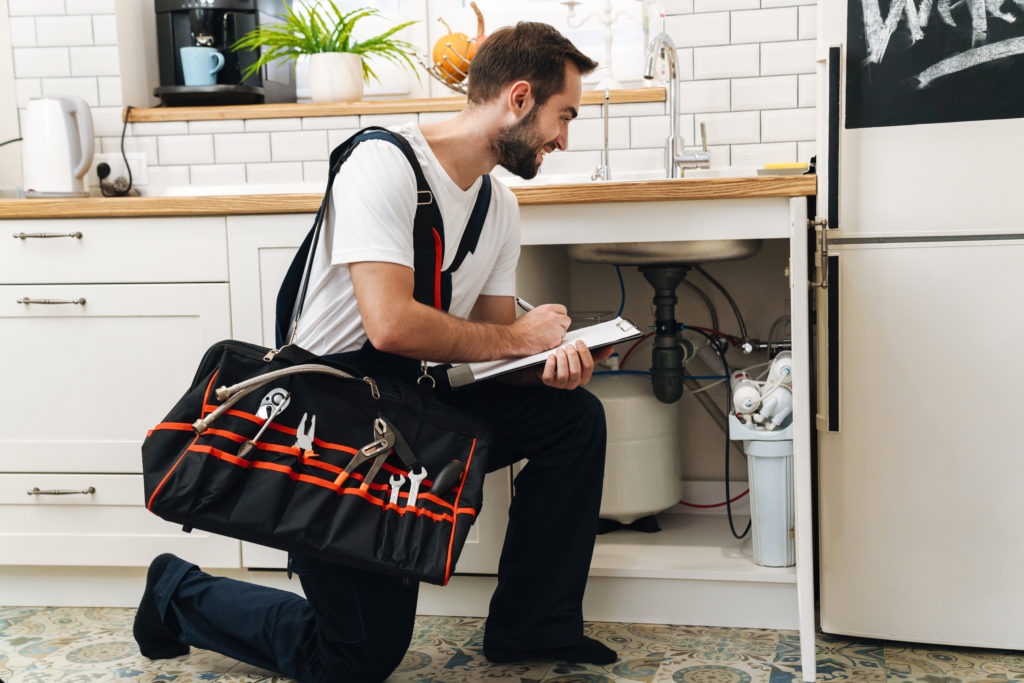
[[294, 451]]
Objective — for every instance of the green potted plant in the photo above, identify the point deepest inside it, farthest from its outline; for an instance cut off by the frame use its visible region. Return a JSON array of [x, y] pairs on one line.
[[337, 69]]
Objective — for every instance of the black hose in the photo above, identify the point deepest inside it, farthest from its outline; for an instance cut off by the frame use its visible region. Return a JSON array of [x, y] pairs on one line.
[[7, 142], [728, 402], [732, 302], [707, 302]]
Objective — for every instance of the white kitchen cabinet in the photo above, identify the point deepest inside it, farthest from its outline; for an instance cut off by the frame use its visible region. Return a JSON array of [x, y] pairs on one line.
[[630, 580], [260, 249], [101, 522], [92, 367], [103, 250], [92, 378]]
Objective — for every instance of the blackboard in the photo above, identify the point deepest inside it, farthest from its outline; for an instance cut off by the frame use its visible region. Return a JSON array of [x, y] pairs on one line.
[[911, 79]]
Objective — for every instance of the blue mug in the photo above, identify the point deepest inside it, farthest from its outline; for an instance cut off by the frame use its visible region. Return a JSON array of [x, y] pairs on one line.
[[200, 65]]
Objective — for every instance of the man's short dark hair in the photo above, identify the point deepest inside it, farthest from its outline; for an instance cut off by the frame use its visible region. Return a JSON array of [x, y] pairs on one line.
[[530, 51]]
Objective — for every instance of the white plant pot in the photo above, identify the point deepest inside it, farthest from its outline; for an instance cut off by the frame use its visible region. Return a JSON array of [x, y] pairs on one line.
[[336, 77]]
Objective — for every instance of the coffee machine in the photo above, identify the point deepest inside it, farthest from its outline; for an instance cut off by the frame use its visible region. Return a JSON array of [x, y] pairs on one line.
[[218, 24]]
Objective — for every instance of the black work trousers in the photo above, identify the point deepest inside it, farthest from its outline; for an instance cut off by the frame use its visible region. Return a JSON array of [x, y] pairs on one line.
[[355, 625]]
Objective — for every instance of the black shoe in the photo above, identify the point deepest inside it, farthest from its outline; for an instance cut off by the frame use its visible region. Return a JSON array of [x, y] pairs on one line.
[[155, 640], [587, 651]]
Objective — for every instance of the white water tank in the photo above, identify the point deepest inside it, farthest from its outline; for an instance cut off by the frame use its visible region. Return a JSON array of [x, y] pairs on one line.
[[643, 468]]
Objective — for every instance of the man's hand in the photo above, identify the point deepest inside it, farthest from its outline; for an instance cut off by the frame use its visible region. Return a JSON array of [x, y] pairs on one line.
[[541, 329], [572, 365]]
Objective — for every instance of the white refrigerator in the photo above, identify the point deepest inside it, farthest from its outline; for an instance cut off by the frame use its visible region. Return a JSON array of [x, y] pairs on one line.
[[918, 334]]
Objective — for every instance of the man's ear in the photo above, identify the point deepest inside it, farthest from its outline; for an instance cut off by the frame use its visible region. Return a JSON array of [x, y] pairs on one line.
[[520, 98]]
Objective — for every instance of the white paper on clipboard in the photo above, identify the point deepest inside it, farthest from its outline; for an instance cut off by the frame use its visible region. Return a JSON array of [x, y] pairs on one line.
[[594, 336]]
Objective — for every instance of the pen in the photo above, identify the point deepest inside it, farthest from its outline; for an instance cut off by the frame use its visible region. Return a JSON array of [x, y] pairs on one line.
[[524, 305]]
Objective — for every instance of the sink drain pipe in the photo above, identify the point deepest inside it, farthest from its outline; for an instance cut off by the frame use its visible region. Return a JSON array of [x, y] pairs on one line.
[[666, 356]]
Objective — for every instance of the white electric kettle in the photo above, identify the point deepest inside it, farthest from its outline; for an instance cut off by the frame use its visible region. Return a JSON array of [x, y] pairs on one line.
[[57, 146]]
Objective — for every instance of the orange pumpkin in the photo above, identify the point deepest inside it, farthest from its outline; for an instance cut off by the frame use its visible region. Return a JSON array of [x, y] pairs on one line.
[[451, 55]]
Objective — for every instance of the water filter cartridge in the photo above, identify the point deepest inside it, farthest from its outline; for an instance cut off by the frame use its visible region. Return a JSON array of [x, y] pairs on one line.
[[746, 396]]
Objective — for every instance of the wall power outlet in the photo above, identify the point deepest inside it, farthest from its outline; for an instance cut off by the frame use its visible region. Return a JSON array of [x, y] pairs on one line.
[[117, 168]]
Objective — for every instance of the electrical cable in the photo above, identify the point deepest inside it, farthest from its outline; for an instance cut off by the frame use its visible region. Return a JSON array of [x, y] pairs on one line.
[[728, 403], [622, 290], [7, 142], [118, 192], [716, 505], [728, 297], [124, 127]]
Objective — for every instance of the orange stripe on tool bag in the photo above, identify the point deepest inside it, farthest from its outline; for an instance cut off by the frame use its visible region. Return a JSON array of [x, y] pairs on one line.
[[206, 398], [285, 469], [451, 539]]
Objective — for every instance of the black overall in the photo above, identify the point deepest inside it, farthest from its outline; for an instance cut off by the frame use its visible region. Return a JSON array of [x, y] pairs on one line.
[[356, 626]]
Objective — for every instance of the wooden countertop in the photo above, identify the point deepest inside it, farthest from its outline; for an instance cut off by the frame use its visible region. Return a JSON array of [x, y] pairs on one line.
[[591, 193], [302, 110], [637, 191]]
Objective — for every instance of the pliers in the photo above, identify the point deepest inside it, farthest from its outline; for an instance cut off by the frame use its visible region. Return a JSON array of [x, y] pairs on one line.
[[377, 450]]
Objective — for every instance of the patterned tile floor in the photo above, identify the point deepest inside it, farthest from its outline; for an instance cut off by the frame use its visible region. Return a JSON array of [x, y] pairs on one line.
[[78, 644]]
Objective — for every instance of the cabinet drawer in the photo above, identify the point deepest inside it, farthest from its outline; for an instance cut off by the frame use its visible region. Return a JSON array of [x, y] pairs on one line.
[[84, 383], [106, 526], [114, 250]]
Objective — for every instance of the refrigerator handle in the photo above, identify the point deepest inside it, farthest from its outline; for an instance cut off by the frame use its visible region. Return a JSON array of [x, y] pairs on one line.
[[835, 60]]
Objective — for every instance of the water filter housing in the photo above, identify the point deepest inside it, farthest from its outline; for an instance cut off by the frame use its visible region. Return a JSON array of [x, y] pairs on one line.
[[770, 475], [643, 468]]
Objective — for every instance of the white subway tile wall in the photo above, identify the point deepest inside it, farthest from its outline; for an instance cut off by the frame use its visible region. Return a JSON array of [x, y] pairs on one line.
[[185, 149], [69, 47], [808, 90], [314, 171], [252, 125], [23, 32], [242, 147], [745, 69], [334, 122], [218, 174], [110, 91], [298, 146], [230, 126], [769, 92], [274, 174]]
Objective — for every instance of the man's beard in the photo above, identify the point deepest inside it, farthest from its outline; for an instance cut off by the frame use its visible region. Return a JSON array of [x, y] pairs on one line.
[[516, 147]]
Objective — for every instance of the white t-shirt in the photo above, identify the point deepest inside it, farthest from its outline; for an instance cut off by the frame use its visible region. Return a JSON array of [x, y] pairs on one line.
[[370, 218]]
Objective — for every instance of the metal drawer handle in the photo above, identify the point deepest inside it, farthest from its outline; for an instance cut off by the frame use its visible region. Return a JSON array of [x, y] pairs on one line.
[[36, 491], [26, 300], [46, 235]]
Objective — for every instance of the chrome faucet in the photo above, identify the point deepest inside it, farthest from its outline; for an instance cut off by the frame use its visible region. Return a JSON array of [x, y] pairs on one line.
[[678, 157], [603, 172]]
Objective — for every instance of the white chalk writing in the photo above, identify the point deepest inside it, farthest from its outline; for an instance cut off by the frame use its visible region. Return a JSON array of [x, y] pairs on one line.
[[878, 32]]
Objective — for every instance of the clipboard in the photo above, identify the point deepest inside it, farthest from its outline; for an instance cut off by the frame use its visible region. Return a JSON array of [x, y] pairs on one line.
[[594, 336]]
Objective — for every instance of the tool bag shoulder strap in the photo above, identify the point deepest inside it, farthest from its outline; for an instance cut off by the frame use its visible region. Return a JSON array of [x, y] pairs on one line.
[[432, 284]]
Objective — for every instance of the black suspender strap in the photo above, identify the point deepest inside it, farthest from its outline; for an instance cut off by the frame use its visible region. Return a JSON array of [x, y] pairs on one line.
[[470, 238], [432, 285]]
